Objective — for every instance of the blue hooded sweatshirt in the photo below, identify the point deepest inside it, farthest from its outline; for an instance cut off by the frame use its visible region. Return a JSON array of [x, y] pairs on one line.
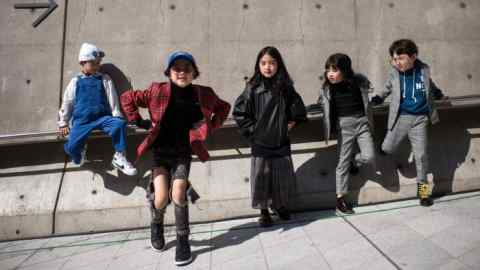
[[413, 92]]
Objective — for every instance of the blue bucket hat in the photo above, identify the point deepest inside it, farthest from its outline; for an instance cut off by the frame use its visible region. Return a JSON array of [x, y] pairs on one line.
[[172, 57], [179, 55]]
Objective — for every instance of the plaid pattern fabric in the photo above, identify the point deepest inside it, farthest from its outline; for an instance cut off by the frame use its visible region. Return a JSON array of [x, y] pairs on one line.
[[156, 99], [272, 182]]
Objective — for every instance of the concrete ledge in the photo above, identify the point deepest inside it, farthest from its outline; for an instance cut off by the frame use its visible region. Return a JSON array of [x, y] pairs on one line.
[[28, 202], [97, 198]]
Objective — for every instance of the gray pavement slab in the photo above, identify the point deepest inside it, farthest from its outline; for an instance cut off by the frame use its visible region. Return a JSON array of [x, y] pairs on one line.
[[311, 240]]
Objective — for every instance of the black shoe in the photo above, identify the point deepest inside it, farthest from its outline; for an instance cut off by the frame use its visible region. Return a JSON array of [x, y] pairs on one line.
[[426, 202], [343, 207], [183, 254], [353, 169], [282, 213], [157, 240], [265, 220]]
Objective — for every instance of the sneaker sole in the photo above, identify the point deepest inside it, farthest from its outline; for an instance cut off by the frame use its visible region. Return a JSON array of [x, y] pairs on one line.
[[343, 213], [182, 263], [156, 249]]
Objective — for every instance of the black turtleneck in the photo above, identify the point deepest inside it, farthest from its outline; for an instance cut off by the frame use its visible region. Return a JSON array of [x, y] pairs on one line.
[[182, 112], [347, 99]]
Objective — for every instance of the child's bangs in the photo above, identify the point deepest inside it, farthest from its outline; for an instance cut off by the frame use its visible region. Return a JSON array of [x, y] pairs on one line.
[[331, 65]]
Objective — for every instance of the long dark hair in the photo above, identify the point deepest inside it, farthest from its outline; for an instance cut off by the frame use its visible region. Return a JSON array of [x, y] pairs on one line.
[[281, 79], [340, 62]]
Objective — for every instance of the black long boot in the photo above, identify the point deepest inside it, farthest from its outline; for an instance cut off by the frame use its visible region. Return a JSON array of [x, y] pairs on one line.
[[157, 239], [183, 254]]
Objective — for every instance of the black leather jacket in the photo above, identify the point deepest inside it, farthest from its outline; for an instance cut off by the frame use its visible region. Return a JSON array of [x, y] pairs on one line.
[[263, 114]]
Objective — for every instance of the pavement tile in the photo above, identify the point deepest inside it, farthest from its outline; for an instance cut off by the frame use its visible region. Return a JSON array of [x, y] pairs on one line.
[[135, 259], [471, 258], [454, 265], [459, 239], [352, 254], [419, 254], [281, 234], [287, 253], [432, 222], [254, 261], [389, 239], [87, 255], [309, 262], [328, 234], [442, 237], [231, 245], [374, 222], [17, 252]]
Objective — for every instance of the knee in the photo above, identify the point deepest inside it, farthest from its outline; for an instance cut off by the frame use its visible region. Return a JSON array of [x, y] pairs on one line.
[[385, 150], [119, 125], [160, 202], [369, 159], [179, 197]]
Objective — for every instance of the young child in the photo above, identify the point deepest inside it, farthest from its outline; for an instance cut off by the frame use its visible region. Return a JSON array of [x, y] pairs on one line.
[[344, 97], [411, 108], [266, 111], [182, 115], [91, 102]]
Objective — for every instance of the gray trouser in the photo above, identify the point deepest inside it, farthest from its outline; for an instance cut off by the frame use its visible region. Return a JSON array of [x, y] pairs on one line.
[[352, 129], [415, 126]]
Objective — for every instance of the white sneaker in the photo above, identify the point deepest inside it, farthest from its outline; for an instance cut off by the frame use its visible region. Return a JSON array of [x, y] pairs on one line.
[[120, 162], [83, 154]]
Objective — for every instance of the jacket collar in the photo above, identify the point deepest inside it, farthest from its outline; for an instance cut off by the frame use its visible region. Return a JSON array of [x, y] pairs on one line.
[[81, 75]]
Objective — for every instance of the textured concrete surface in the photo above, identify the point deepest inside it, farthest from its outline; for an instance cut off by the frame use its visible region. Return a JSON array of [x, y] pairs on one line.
[[400, 235], [30, 69], [96, 197], [225, 39], [29, 186]]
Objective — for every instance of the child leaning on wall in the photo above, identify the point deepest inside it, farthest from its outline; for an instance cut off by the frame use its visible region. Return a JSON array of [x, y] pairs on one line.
[[344, 97], [265, 112], [411, 109]]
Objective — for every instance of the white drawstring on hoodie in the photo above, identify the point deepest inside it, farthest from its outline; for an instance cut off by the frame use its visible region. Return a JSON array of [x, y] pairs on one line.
[[413, 86]]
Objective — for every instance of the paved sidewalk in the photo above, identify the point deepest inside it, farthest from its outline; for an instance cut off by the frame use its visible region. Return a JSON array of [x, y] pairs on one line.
[[400, 235]]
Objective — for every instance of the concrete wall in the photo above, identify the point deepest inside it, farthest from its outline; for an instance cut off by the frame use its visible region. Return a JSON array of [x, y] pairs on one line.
[[225, 37], [44, 195]]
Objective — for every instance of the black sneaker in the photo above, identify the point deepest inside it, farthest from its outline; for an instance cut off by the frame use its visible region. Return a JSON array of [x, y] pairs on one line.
[[265, 220], [282, 213], [183, 254], [157, 240], [426, 202], [343, 207], [353, 169]]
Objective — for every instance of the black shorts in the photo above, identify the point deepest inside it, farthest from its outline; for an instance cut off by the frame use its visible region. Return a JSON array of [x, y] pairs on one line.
[[178, 167]]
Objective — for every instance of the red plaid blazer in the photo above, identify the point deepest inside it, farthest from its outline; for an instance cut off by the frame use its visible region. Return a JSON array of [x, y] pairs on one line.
[[156, 99]]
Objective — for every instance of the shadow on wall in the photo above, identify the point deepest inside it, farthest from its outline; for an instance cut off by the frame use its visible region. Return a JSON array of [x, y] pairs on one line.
[[120, 80], [450, 144]]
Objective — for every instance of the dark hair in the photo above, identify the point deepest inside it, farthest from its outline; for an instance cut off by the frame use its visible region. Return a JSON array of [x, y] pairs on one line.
[[403, 46], [281, 77], [340, 62], [196, 73]]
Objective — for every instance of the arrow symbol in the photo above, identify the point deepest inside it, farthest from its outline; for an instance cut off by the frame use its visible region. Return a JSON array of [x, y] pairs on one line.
[[50, 6]]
